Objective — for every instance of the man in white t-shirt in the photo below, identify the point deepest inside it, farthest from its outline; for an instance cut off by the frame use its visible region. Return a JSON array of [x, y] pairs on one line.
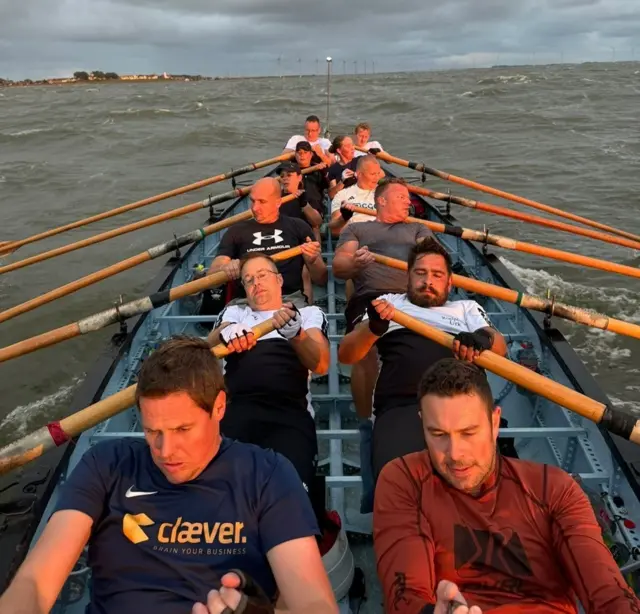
[[362, 134], [368, 173], [320, 146], [406, 355]]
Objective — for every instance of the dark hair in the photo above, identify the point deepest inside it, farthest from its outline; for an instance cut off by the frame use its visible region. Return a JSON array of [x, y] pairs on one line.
[[451, 377], [336, 144], [182, 364], [428, 246], [253, 255], [312, 118], [384, 184]]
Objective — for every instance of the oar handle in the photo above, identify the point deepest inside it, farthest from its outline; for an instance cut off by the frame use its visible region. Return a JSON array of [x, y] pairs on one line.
[[34, 445], [614, 420]]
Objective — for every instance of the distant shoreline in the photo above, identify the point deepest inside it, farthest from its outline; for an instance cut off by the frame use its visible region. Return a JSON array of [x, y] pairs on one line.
[[91, 79]]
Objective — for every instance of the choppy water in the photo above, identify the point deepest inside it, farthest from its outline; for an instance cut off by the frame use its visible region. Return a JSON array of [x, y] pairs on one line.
[[564, 135]]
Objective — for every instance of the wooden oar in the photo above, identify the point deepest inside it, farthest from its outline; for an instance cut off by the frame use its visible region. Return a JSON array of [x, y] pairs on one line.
[[418, 166], [10, 246], [613, 420], [548, 306], [102, 319], [116, 232], [520, 246], [57, 433], [524, 217], [128, 263]]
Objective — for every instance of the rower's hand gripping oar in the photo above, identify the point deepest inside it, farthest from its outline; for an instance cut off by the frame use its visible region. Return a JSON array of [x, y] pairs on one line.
[[520, 246], [136, 307], [34, 445], [527, 301], [422, 168], [7, 247], [615, 421]]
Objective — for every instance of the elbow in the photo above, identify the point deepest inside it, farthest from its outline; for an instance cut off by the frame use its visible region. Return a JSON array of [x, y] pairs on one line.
[[322, 366], [347, 354]]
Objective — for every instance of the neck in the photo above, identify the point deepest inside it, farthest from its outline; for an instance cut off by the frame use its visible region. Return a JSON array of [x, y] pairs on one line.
[[270, 305], [365, 186], [270, 219], [488, 482]]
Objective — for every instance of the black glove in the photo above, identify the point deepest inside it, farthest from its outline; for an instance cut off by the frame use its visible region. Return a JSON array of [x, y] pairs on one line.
[[375, 150], [480, 340], [349, 181], [254, 600], [377, 325], [292, 328], [346, 214]]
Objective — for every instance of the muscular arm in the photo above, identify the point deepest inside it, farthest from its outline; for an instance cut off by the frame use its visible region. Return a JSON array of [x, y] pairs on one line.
[[41, 577], [318, 271], [356, 345], [402, 542], [344, 266], [498, 345], [337, 223], [585, 558], [218, 263], [214, 336], [313, 217], [312, 348]]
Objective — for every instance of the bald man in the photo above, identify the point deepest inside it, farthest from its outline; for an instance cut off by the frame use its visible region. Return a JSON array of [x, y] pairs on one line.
[[269, 232]]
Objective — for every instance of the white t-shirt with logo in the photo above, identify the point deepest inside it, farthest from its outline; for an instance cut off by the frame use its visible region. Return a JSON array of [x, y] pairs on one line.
[[298, 138], [369, 145], [357, 196]]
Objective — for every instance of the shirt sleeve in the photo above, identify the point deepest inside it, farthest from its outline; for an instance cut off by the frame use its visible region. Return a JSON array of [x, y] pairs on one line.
[[303, 230], [476, 317], [231, 315], [227, 246], [285, 511], [314, 317], [86, 488], [337, 201], [292, 142], [423, 232], [588, 563], [402, 542], [347, 235]]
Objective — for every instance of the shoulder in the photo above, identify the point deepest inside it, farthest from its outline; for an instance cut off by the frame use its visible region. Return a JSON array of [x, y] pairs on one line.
[[301, 227], [547, 483], [314, 317], [270, 469], [233, 313], [118, 450], [405, 473], [395, 299], [293, 141]]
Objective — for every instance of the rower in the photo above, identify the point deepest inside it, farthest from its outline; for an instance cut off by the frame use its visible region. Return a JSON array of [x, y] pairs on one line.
[[168, 515], [341, 174], [271, 233], [320, 145], [362, 134], [268, 379], [388, 234], [460, 522], [315, 183], [368, 173], [300, 207], [405, 355]]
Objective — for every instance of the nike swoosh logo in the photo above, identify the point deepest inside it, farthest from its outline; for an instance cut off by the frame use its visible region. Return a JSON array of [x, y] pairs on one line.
[[138, 493]]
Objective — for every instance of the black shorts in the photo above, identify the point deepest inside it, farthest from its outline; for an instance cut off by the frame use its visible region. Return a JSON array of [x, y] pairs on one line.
[[292, 433], [357, 307], [396, 432]]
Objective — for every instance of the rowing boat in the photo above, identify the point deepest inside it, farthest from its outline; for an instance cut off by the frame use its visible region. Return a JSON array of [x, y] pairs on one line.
[[535, 428]]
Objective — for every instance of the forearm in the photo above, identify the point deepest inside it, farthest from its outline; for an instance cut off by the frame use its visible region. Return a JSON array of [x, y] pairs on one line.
[[313, 217], [344, 267], [499, 345], [334, 189], [218, 263], [336, 224], [356, 345], [318, 271], [214, 336], [310, 353], [23, 597]]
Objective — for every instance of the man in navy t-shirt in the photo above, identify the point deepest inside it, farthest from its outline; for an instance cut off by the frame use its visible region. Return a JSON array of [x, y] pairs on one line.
[[166, 518]]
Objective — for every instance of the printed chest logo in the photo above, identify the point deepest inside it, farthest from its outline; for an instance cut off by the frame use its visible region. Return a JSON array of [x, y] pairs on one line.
[[359, 203], [276, 237], [183, 537]]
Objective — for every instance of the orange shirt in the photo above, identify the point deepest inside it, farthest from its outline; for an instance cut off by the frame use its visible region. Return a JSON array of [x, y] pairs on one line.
[[529, 542]]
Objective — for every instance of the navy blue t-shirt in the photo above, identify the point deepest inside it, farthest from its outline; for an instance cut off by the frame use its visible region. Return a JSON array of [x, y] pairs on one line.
[[337, 168], [160, 547]]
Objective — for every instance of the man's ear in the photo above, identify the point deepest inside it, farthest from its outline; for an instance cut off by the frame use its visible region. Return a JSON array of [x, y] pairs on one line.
[[219, 406]]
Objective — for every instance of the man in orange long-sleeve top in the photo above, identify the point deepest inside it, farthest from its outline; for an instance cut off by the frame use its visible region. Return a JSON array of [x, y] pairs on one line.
[[460, 523]]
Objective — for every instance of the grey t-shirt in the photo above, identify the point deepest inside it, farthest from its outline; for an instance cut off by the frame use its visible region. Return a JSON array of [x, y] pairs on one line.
[[393, 240]]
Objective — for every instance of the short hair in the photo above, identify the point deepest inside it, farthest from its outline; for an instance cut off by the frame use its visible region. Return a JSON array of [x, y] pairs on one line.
[[182, 364], [253, 255], [362, 126], [312, 118], [450, 377], [383, 186], [429, 245], [366, 159]]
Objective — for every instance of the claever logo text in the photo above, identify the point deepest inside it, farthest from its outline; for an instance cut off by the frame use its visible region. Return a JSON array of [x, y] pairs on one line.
[[183, 532]]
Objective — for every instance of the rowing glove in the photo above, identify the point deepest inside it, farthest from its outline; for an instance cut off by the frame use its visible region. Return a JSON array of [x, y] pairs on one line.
[[377, 325], [292, 328], [374, 150], [480, 340], [233, 331], [254, 600], [346, 214]]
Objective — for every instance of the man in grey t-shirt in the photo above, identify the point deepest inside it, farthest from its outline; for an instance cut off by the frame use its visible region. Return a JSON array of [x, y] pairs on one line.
[[390, 235]]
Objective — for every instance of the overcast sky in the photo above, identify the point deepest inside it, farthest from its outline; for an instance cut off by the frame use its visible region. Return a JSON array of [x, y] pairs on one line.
[[40, 38]]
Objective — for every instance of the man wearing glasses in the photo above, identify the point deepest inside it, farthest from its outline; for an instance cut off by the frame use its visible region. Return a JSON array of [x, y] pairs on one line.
[[268, 402]]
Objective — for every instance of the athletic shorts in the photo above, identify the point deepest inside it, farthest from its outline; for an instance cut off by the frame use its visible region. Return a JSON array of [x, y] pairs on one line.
[[396, 432], [357, 307], [292, 433]]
